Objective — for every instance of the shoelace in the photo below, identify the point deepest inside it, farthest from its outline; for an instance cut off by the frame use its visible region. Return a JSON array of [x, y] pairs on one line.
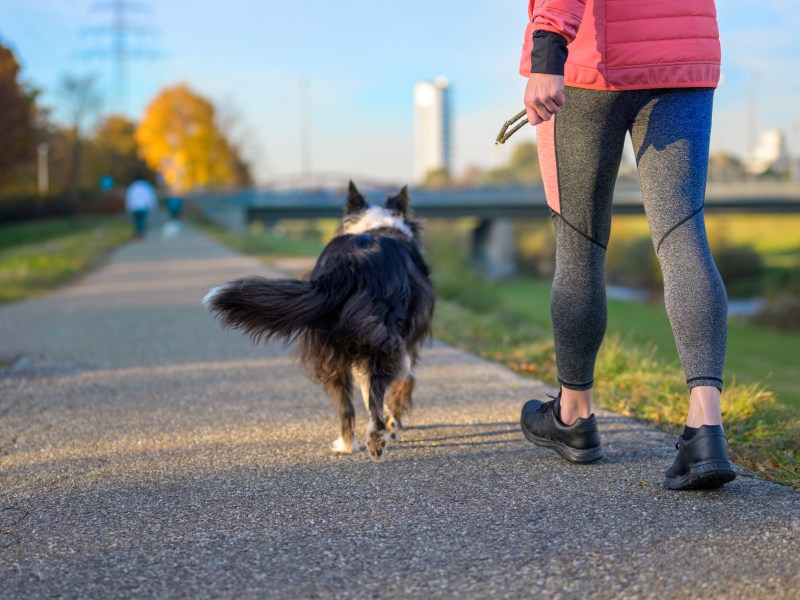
[[545, 405]]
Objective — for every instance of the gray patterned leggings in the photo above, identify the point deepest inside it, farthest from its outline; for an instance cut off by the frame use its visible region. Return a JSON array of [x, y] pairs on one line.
[[580, 152]]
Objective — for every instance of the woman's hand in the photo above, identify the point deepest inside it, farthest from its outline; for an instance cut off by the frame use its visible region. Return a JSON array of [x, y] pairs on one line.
[[544, 97]]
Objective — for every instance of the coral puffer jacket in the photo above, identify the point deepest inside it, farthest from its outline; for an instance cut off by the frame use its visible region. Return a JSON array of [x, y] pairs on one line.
[[629, 44]]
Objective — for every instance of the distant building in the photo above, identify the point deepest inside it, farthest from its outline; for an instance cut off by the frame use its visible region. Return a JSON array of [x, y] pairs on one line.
[[431, 127], [770, 155]]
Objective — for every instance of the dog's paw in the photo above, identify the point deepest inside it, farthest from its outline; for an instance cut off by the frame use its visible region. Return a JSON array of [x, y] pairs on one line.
[[393, 427], [340, 446], [376, 444]]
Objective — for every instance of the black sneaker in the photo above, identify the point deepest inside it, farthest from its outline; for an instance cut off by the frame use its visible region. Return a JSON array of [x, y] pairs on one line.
[[702, 462], [579, 442]]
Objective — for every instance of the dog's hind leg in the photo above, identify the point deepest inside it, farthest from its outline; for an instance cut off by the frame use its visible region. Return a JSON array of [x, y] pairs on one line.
[[398, 400], [376, 429], [398, 405], [340, 389]]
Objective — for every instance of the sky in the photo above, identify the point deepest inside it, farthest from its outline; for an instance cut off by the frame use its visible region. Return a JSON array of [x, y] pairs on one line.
[[359, 60]]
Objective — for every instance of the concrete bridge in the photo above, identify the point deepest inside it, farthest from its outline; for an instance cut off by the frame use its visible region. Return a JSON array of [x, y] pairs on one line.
[[495, 208]]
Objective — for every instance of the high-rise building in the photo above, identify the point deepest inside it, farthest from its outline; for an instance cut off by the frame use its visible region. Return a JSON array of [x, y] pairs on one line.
[[431, 127], [771, 154]]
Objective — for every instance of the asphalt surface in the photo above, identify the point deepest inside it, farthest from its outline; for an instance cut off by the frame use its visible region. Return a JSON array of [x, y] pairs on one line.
[[144, 452]]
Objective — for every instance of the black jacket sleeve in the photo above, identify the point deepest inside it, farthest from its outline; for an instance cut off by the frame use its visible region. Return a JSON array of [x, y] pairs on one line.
[[549, 53]]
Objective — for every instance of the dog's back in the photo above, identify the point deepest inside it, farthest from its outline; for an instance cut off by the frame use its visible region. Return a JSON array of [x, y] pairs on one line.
[[381, 309], [359, 318]]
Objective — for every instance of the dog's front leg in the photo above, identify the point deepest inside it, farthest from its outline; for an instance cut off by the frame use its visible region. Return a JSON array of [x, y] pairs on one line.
[[340, 389], [376, 429], [361, 376]]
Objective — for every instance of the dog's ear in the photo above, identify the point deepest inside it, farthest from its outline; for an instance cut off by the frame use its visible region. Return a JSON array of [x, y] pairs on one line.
[[399, 203], [355, 201]]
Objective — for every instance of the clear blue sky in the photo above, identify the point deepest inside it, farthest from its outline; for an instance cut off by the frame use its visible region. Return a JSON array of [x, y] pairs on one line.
[[362, 59]]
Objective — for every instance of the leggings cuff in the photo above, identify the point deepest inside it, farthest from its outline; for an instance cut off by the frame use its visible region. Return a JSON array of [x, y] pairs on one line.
[[578, 387], [694, 382]]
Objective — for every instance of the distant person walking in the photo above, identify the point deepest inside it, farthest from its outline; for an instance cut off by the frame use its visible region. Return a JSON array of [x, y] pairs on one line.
[[599, 70], [140, 199], [174, 206]]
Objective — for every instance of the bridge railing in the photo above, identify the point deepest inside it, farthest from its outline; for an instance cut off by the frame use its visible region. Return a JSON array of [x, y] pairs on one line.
[[495, 209], [239, 208]]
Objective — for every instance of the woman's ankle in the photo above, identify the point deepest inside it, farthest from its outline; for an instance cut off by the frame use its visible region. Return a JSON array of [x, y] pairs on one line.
[[704, 407], [575, 404]]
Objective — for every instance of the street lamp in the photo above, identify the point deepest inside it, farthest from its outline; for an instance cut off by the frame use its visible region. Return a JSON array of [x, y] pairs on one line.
[[752, 132], [43, 174]]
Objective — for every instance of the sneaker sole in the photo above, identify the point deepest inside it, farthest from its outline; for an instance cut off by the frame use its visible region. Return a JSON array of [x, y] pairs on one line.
[[576, 455], [703, 476]]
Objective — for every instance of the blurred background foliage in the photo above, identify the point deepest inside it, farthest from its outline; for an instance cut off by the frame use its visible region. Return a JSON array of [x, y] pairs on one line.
[[182, 143]]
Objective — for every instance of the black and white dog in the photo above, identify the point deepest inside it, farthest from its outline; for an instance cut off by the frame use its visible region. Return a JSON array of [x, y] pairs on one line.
[[359, 318]]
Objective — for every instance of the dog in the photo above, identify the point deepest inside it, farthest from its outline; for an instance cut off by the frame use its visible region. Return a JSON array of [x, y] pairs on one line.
[[359, 318]]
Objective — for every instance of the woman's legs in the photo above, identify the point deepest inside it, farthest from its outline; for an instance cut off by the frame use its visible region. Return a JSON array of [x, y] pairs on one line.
[[580, 152], [670, 137], [140, 222]]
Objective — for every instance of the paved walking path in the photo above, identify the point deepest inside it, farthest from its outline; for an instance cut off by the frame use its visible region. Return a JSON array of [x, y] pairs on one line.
[[144, 452]]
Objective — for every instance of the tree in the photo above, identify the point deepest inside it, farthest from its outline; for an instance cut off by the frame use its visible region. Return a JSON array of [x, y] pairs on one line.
[[16, 116], [472, 176], [241, 138], [437, 179], [522, 169], [180, 138], [524, 164], [81, 102], [113, 151]]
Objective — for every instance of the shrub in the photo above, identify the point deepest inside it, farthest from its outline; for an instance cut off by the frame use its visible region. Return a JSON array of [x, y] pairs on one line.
[[782, 312], [536, 245], [27, 208], [741, 268], [780, 280], [450, 282], [633, 263]]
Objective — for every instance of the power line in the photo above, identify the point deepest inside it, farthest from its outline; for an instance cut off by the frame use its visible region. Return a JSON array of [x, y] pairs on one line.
[[305, 126], [120, 30]]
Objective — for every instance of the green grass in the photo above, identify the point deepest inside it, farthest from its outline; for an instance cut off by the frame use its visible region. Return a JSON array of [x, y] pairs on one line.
[[632, 378], [39, 256], [305, 241], [754, 354], [638, 372], [33, 232]]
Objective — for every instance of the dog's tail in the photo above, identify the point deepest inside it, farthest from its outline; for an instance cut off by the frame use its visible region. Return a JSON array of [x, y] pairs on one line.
[[266, 308]]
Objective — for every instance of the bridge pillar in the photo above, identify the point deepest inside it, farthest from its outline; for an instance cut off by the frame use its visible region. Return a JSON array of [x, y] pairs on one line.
[[222, 211], [493, 248], [231, 217]]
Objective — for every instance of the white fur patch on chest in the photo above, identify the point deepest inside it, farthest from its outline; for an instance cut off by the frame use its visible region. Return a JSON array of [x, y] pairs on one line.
[[376, 217]]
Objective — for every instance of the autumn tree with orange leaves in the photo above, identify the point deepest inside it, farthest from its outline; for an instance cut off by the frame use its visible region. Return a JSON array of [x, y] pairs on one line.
[[179, 137]]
